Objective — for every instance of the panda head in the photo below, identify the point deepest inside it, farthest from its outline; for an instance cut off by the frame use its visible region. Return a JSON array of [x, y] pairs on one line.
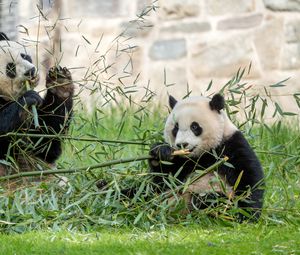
[[15, 68], [198, 124]]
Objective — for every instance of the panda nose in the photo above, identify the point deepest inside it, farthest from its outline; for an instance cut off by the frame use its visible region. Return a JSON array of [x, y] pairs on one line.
[[30, 73], [182, 145]]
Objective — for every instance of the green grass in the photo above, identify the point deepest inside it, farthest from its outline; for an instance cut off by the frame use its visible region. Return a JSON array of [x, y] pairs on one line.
[[240, 239]]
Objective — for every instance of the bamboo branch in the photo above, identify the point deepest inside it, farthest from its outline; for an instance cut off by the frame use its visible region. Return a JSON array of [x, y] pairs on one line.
[[211, 168], [74, 170], [33, 108], [68, 137], [86, 168]]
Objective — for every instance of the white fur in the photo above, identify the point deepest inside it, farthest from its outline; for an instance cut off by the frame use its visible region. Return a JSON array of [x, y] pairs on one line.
[[216, 126], [11, 52]]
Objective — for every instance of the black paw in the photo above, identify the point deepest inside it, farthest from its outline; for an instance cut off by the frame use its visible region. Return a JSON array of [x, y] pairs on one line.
[[162, 152], [59, 81], [59, 74], [30, 98]]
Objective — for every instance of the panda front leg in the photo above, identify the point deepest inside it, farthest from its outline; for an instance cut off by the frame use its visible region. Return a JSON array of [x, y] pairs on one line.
[[55, 112], [15, 114]]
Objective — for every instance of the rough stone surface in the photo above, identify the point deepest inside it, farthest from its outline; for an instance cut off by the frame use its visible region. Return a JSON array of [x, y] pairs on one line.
[[222, 7], [268, 41], [240, 22], [168, 49], [142, 5], [282, 5], [191, 27], [291, 56], [224, 58], [292, 31], [177, 9], [100, 8], [136, 28]]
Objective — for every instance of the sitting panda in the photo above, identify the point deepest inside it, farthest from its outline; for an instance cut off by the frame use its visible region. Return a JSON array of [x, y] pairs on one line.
[[200, 126], [54, 110]]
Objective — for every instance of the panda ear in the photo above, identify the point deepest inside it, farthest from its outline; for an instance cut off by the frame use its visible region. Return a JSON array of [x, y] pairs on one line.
[[3, 37], [217, 102], [172, 101]]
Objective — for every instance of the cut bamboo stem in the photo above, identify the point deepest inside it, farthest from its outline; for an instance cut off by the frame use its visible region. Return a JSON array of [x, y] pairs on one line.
[[68, 137], [33, 109], [81, 169]]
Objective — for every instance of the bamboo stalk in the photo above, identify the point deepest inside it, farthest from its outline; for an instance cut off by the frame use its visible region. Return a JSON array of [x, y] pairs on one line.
[[74, 170], [211, 168], [33, 109], [80, 169], [68, 137]]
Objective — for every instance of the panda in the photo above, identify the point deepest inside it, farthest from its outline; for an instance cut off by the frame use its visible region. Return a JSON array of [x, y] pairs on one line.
[[201, 126], [54, 110]]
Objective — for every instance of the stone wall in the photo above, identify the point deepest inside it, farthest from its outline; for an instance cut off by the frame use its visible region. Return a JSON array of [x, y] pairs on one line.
[[179, 42]]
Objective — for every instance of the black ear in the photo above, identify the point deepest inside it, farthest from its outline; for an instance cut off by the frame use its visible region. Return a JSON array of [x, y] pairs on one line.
[[172, 101], [3, 37], [217, 102]]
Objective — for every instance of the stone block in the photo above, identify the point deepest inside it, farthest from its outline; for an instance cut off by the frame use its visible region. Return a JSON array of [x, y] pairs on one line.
[[168, 49], [290, 56], [223, 7], [243, 22], [292, 31], [190, 27], [282, 5], [268, 41], [178, 9], [91, 8], [224, 58], [138, 28]]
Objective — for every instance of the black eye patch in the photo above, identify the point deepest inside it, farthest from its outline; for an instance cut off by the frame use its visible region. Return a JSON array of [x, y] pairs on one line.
[[175, 130], [196, 129], [26, 57], [11, 70]]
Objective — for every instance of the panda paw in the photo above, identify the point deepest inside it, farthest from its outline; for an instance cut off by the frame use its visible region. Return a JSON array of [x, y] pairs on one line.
[[30, 98], [162, 152], [59, 82]]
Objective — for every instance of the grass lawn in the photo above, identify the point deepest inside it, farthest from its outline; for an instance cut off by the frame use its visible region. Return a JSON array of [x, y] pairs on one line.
[[240, 239]]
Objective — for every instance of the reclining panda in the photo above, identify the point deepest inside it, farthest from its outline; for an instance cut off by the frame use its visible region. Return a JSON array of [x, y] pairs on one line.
[[200, 126], [54, 110]]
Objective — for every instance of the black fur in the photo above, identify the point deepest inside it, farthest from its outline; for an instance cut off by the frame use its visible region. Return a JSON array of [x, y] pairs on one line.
[[11, 70], [54, 116], [217, 102], [26, 57], [241, 156], [172, 101]]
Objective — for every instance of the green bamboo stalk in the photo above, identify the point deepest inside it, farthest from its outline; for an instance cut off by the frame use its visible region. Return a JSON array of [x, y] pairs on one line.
[[68, 137], [100, 165], [33, 109], [211, 168], [74, 170]]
